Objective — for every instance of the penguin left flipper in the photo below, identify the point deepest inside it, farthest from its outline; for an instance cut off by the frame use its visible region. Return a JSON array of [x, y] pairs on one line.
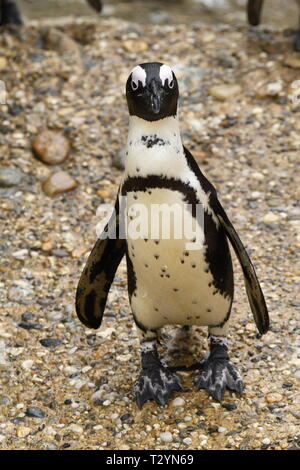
[[253, 289], [99, 273], [255, 296]]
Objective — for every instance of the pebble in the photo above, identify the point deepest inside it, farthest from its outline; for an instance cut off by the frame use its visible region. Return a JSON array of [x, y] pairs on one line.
[[134, 46], [27, 364], [166, 436], [50, 342], [187, 440], [273, 397], [266, 441], [10, 176], [51, 147], [61, 42], [177, 402], [293, 61], [297, 374], [35, 412], [271, 218], [3, 63], [75, 428], [58, 182], [23, 431], [224, 92]]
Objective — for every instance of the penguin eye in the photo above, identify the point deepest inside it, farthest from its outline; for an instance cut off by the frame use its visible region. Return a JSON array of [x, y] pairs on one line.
[[171, 84], [134, 85]]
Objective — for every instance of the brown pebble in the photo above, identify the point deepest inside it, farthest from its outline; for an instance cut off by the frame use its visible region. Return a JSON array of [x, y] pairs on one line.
[[51, 147], [273, 397]]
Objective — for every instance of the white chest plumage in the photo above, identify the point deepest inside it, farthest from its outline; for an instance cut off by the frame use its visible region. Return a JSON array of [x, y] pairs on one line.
[[173, 284]]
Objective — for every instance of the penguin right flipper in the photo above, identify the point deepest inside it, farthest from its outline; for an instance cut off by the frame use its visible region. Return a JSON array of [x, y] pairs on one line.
[[253, 289], [254, 8], [99, 273]]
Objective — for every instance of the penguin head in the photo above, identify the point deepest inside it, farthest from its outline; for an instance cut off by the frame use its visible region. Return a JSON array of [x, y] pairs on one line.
[[152, 91]]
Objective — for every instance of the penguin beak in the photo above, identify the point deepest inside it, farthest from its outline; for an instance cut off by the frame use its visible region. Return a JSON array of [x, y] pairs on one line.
[[156, 92]]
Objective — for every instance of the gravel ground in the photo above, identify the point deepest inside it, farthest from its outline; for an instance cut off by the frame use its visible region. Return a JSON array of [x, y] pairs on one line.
[[64, 386]]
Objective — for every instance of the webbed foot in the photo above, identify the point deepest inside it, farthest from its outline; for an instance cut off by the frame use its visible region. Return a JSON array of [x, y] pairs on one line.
[[218, 373], [155, 382]]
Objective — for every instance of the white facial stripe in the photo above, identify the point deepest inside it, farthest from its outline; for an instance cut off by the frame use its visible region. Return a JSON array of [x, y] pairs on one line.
[[165, 73], [139, 74]]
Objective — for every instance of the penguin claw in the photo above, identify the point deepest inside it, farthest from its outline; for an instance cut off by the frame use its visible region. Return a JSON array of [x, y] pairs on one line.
[[156, 384], [216, 376]]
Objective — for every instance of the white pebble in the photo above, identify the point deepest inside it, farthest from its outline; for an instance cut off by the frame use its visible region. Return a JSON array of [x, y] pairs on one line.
[[266, 441], [178, 402], [75, 428], [187, 441], [221, 429], [27, 364], [166, 436]]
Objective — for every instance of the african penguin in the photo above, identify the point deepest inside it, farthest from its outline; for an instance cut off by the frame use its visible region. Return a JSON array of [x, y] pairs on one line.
[[254, 10], [183, 278]]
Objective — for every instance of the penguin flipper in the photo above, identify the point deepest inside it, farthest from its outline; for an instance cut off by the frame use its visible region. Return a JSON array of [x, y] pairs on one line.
[[99, 272], [254, 8], [255, 295]]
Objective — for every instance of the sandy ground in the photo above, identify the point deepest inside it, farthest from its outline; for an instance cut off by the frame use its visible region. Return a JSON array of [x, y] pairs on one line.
[[64, 386]]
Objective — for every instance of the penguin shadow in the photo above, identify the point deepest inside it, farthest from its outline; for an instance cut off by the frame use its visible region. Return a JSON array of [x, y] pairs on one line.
[[183, 348]]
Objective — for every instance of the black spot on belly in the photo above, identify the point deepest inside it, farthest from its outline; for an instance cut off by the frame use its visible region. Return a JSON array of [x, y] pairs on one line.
[[208, 310], [151, 140], [175, 289], [146, 266], [182, 261], [186, 253], [193, 265], [156, 242], [156, 256]]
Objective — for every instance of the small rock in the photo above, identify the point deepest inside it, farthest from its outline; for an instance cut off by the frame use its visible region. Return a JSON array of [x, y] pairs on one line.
[[10, 176], [4, 400], [50, 342], [61, 42], [134, 46], [58, 182], [297, 374], [187, 441], [78, 251], [178, 402], [23, 431], [222, 429], [35, 412], [166, 436], [293, 61], [271, 218], [3, 62], [223, 92], [27, 364], [59, 253], [266, 441], [75, 428], [51, 147], [273, 397], [47, 246], [229, 406]]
